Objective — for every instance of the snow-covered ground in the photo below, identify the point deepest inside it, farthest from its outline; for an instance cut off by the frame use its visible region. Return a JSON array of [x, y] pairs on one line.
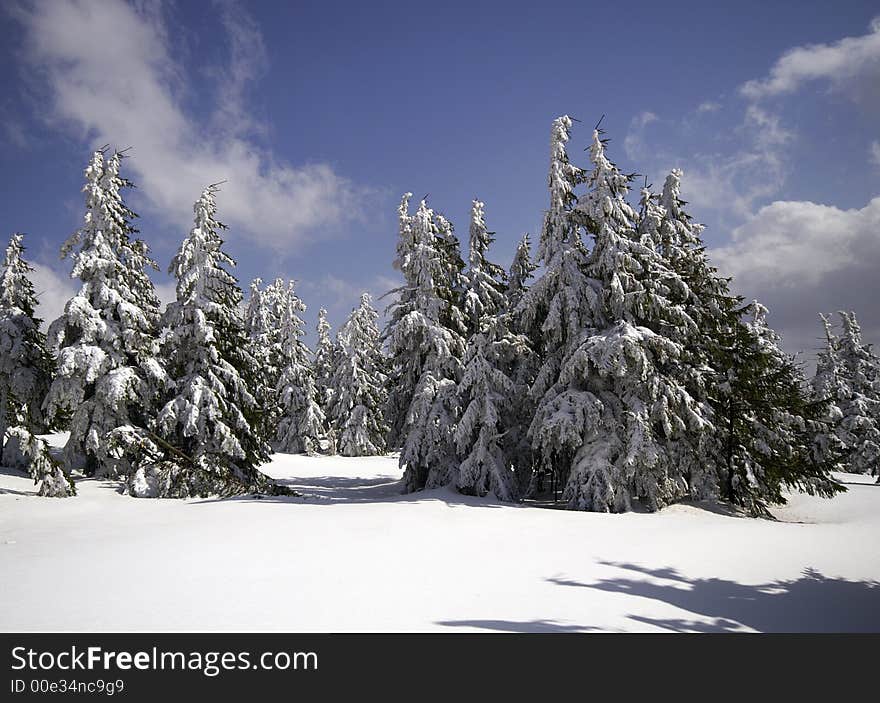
[[353, 554]]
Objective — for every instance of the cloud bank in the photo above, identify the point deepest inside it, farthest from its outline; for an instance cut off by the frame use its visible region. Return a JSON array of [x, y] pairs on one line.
[[110, 76]]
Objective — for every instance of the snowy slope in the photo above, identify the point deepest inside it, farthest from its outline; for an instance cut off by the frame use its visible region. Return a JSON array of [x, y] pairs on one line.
[[353, 554]]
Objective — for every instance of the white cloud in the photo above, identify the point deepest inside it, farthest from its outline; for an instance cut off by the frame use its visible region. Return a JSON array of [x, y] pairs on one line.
[[802, 258], [840, 62], [708, 106], [111, 77], [634, 142], [53, 291]]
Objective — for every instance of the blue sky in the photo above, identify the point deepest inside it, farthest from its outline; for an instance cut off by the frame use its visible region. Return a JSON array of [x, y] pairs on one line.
[[320, 115]]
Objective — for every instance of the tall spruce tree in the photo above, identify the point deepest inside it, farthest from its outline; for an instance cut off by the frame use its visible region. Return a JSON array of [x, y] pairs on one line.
[[405, 360], [766, 423], [626, 403], [302, 426], [108, 376], [556, 309], [856, 374], [486, 390], [425, 345], [206, 438], [26, 368], [26, 365], [358, 394], [522, 368]]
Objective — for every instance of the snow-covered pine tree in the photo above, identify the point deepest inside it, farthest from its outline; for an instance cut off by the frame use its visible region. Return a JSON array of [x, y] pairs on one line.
[[107, 375], [357, 387], [405, 360], [452, 284], [205, 440], [325, 359], [486, 391], [26, 368], [859, 425], [522, 368], [627, 412], [556, 309], [301, 428], [425, 349], [708, 302], [264, 322], [486, 282], [521, 271], [487, 394], [829, 386], [766, 421]]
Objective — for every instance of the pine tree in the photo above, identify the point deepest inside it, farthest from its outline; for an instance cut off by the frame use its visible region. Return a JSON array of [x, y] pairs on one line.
[[766, 422], [26, 368], [486, 391], [487, 394], [205, 440], [405, 359], [829, 386], [108, 376], [264, 322], [301, 428], [623, 391], [358, 394], [857, 398], [425, 349], [486, 281], [325, 359], [521, 271], [715, 311], [521, 367], [558, 307]]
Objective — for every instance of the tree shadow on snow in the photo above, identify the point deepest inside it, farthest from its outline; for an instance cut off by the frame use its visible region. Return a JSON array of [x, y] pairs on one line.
[[811, 603], [517, 625], [341, 490]]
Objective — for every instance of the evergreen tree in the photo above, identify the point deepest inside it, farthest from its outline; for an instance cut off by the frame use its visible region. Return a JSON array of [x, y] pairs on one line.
[[557, 308], [108, 376], [27, 452], [486, 391], [487, 396], [325, 359], [486, 281], [301, 428], [405, 361], [264, 322], [851, 374], [625, 404], [205, 440], [766, 423], [521, 271], [358, 394], [26, 368], [521, 367], [426, 349], [830, 387]]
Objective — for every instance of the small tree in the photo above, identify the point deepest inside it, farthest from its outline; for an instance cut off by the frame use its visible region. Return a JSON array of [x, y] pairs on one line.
[[358, 385], [301, 427]]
